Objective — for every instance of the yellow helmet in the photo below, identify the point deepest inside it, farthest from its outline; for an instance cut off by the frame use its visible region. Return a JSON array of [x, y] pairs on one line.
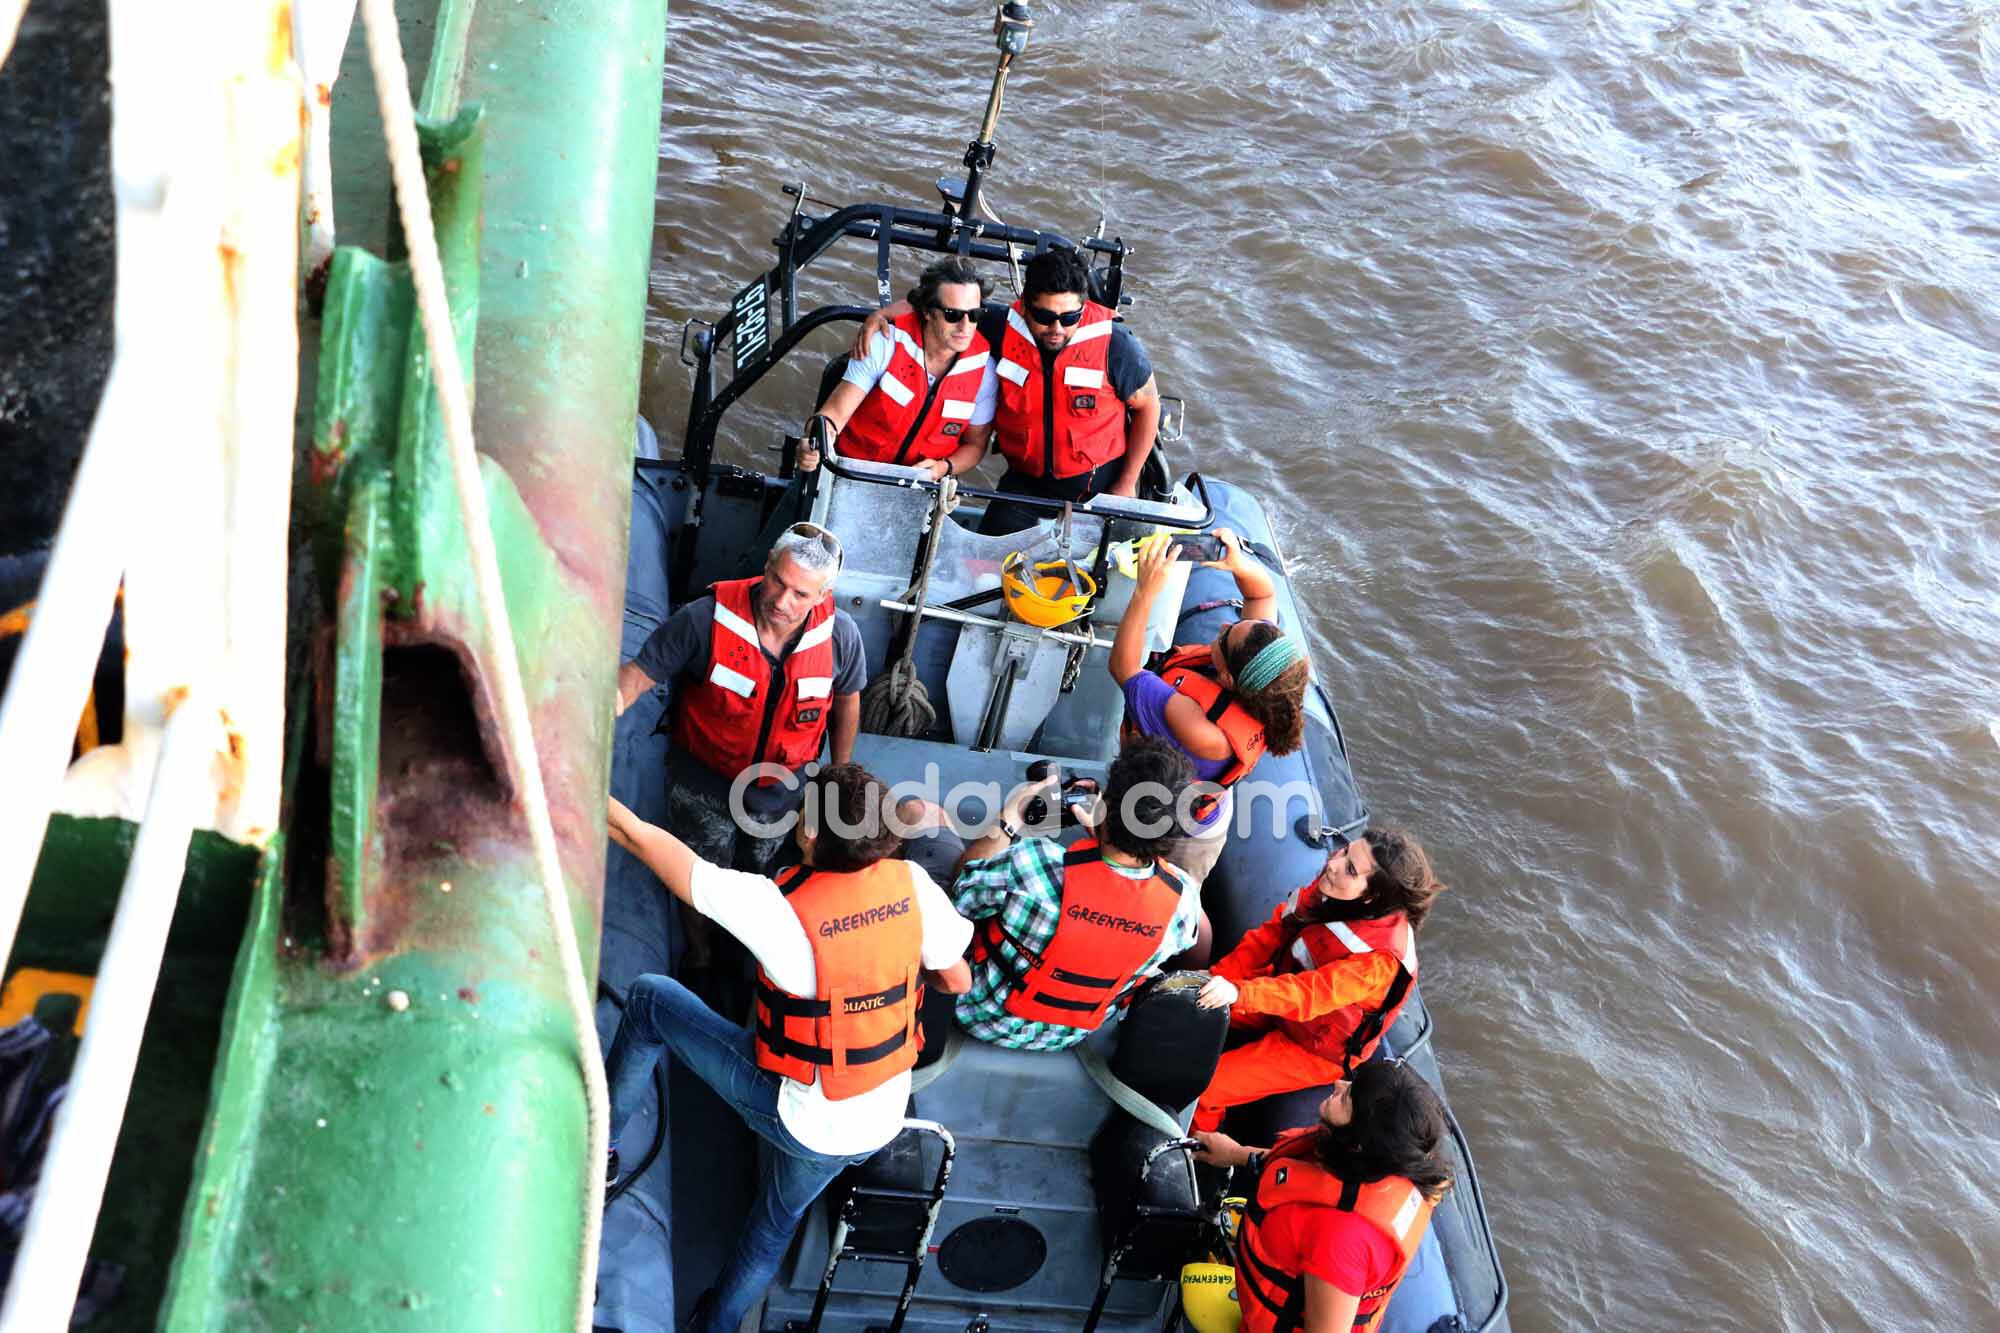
[[1051, 599], [1208, 1298]]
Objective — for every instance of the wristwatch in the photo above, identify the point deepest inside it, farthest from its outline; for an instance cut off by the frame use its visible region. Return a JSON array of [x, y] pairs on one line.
[[1010, 830]]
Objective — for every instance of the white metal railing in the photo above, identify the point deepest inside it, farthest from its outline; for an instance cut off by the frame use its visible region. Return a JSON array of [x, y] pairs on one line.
[[10, 23], [183, 492]]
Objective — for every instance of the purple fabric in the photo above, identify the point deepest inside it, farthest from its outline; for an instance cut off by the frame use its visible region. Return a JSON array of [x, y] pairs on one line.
[[1146, 698]]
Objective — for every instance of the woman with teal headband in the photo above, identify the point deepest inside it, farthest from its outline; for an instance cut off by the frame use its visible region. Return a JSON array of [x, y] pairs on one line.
[[1225, 703]]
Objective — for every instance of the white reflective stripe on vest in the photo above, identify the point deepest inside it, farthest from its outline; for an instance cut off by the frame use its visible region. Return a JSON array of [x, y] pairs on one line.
[[1354, 943], [1013, 371], [737, 625], [1101, 329], [956, 409], [1302, 955], [899, 392], [733, 681], [1083, 377], [1019, 325], [815, 687], [910, 345], [815, 636], [975, 361], [1400, 1224]]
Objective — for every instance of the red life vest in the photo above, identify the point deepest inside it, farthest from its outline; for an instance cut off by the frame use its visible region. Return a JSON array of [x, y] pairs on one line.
[[1190, 669], [1089, 418], [885, 428], [860, 1029], [1110, 928], [1350, 1035], [1273, 1300], [737, 715]]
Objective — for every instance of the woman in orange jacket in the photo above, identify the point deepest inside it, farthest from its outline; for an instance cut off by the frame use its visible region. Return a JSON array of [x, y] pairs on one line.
[[1314, 988]]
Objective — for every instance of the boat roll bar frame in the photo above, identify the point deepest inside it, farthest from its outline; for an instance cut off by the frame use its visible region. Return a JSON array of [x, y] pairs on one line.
[[746, 327]]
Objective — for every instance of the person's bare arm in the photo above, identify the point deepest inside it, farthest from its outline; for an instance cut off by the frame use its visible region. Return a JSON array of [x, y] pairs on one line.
[[995, 842], [632, 682], [1142, 428], [953, 980], [1328, 1308], [838, 411], [840, 404], [660, 851], [1260, 593], [877, 322], [1128, 646], [1191, 727], [845, 725], [971, 448]]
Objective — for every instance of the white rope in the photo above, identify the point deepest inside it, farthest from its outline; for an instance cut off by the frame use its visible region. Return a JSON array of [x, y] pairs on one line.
[[392, 82]]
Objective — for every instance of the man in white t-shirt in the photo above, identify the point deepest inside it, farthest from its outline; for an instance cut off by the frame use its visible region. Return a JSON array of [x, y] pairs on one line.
[[841, 942]]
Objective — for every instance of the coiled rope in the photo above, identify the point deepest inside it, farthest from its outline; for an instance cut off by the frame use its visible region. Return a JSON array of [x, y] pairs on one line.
[[392, 83]]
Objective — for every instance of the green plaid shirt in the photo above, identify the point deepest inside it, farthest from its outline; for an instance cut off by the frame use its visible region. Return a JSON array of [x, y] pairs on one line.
[[1023, 887]]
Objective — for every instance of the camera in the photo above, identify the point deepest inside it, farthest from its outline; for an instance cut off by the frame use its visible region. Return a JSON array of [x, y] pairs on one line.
[[1073, 793]]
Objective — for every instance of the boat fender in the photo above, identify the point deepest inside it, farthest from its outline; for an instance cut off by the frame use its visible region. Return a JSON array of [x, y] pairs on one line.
[[1208, 1298]]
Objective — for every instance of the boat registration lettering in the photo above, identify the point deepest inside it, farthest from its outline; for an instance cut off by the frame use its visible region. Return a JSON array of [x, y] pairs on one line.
[[750, 316]]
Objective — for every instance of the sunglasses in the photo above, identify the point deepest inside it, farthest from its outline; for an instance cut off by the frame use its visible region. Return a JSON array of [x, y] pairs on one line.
[[814, 532], [1043, 315], [950, 316]]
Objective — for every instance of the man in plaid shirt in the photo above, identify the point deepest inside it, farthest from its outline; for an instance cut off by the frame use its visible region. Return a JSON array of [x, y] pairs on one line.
[[1021, 884]]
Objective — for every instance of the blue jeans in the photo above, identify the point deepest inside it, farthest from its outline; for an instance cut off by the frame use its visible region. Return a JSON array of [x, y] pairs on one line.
[[661, 1015]]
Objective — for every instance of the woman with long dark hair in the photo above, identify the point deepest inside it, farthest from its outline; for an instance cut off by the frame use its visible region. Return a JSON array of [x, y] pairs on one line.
[[1338, 1209], [1223, 704], [1314, 988]]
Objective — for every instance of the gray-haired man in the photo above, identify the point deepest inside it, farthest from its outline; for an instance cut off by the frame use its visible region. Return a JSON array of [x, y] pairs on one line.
[[764, 670]]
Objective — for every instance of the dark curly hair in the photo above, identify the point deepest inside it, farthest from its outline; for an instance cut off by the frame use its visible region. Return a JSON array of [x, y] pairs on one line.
[[1055, 271], [1280, 707], [847, 813], [1398, 1129], [923, 296], [1140, 795]]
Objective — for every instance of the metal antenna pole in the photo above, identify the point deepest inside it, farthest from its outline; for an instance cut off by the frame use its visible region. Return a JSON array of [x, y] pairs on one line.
[[1011, 26]]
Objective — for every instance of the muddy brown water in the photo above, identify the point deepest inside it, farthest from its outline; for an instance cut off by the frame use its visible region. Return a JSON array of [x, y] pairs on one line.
[[1624, 384]]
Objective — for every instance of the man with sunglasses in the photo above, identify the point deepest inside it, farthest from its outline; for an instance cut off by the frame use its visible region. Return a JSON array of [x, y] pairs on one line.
[[765, 671], [1078, 409], [923, 393]]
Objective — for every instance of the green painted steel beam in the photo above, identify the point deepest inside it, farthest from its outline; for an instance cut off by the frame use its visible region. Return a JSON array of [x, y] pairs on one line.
[[396, 1134], [352, 845]]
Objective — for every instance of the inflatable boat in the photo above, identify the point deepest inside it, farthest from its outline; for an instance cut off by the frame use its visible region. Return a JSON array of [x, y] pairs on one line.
[[1030, 1191]]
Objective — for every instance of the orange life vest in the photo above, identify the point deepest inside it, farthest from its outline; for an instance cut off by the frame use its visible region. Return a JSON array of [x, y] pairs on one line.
[[1190, 669], [904, 418], [1111, 926], [1076, 398], [1350, 1035], [738, 714], [1273, 1300], [867, 937]]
